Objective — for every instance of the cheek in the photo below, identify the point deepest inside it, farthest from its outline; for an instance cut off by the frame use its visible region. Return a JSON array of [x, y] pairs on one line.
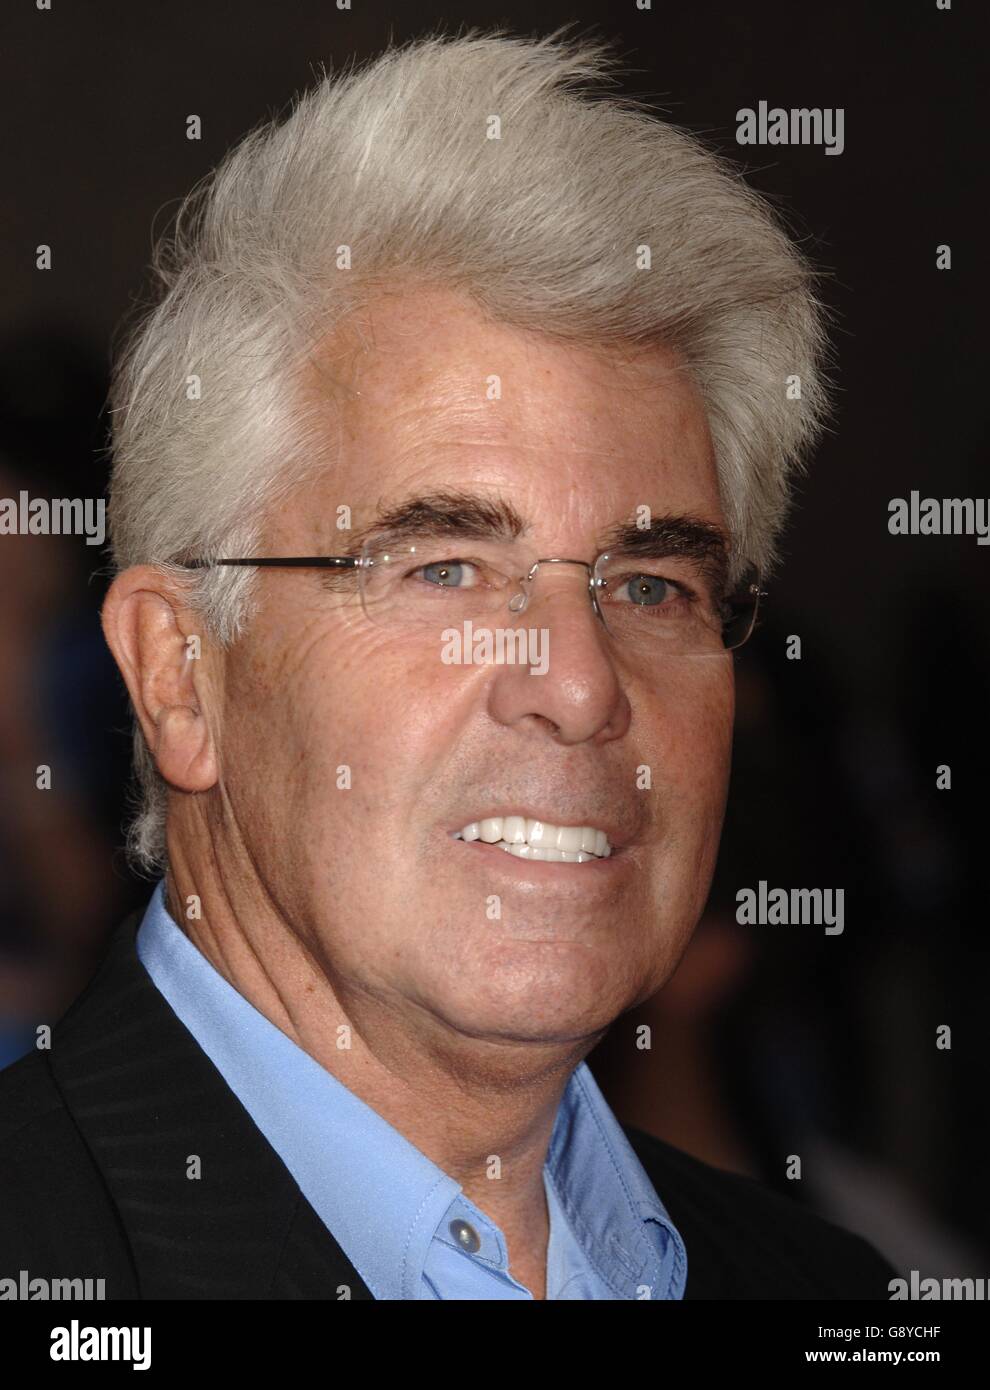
[[707, 738], [691, 721], [691, 757], [351, 707]]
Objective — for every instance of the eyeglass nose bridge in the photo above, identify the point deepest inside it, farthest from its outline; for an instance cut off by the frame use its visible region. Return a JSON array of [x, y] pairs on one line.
[[519, 602]]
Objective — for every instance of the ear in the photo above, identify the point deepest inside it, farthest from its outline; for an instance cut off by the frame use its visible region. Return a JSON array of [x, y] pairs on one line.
[[173, 691]]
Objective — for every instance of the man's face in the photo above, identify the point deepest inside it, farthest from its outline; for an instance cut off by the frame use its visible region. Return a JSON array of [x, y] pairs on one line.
[[396, 910]]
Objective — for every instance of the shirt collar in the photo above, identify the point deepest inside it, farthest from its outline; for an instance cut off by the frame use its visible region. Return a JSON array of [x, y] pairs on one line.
[[608, 1200], [339, 1149]]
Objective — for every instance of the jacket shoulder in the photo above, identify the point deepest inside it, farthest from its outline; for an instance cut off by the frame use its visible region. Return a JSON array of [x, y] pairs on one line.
[[744, 1240], [57, 1220]]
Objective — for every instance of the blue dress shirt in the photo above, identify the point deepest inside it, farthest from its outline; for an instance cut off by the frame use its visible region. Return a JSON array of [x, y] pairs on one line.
[[397, 1216]]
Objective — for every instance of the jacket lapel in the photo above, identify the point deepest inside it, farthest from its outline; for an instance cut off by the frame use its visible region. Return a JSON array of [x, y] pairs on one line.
[[207, 1207], [708, 1274]]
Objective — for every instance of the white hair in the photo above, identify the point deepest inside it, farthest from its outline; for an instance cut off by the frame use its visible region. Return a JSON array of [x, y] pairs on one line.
[[544, 227]]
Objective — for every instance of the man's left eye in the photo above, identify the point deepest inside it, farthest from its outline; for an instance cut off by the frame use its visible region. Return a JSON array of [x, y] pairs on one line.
[[648, 590]]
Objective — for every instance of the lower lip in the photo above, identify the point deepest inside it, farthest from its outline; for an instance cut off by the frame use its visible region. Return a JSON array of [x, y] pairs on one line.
[[544, 870]]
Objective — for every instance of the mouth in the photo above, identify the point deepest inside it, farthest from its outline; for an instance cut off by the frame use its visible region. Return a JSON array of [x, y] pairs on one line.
[[539, 841]]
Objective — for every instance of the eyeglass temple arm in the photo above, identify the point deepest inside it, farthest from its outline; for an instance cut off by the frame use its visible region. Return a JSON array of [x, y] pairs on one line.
[[285, 562]]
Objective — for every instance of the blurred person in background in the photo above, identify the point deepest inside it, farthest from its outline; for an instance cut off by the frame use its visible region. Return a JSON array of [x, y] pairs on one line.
[[764, 1046], [59, 881]]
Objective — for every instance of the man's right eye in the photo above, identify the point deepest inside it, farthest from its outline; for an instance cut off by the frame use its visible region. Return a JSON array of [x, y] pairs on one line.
[[446, 574]]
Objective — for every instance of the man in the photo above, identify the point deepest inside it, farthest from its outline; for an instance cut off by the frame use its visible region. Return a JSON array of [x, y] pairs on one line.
[[498, 376]]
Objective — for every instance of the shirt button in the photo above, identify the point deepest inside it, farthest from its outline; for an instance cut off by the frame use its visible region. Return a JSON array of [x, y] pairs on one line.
[[466, 1236]]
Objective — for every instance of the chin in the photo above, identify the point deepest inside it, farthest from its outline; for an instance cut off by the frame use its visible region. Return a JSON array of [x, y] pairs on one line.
[[537, 1013], [506, 1030]]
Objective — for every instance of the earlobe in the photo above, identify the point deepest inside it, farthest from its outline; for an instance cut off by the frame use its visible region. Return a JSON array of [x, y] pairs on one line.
[[184, 751], [147, 627]]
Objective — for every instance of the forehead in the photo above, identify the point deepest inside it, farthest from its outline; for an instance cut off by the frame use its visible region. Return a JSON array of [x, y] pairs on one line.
[[423, 388]]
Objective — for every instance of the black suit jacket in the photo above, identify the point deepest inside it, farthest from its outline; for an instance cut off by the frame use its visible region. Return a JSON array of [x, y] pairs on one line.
[[97, 1132]]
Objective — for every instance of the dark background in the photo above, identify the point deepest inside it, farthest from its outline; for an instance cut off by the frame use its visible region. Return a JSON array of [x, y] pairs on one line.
[[770, 1041]]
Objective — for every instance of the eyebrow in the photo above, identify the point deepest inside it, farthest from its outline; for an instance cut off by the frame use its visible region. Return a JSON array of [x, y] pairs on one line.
[[471, 516], [446, 513], [703, 544]]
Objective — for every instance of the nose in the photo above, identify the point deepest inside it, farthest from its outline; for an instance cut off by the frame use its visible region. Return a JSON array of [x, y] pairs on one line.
[[520, 601], [579, 695]]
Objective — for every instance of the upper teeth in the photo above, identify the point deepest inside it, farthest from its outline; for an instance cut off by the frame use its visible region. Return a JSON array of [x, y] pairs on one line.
[[538, 839]]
